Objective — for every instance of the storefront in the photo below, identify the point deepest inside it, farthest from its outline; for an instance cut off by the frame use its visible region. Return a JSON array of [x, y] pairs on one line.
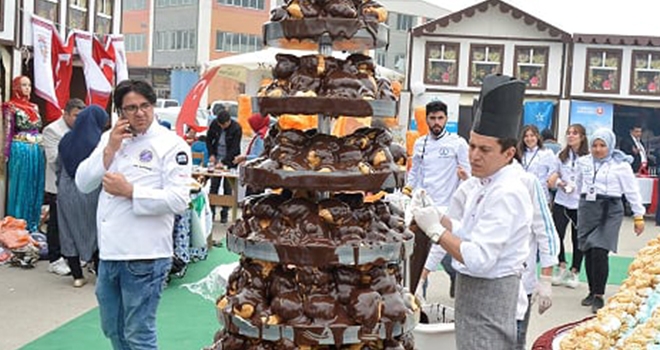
[[451, 55]]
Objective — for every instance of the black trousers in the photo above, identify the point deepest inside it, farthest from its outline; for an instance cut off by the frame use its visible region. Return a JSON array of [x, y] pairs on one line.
[[226, 190], [53, 232], [597, 266], [562, 216], [76, 268]]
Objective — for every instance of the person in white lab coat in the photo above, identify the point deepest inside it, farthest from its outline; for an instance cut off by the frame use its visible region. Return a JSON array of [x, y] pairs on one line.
[[490, 244], [439, 163], [145, 171], [567, 197], [535, 158], [605, 176]]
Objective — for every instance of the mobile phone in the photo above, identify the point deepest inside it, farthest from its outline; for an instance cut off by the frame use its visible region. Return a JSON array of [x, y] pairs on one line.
[[130, 129]]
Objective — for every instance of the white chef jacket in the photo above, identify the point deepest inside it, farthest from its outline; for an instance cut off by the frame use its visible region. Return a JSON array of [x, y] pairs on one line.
[[544, 238], [435, 163], [568, 172], [541, 163], [495, 226], [52, 135], [158, 164], [610, 178]]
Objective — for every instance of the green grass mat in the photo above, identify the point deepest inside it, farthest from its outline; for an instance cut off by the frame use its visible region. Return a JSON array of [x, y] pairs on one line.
[[185, 321]]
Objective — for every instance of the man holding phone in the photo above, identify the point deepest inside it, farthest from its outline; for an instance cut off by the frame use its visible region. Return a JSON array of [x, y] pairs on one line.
[[145, 172]]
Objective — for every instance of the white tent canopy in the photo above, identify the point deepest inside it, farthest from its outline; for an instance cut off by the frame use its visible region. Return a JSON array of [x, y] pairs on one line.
[[251, 68]]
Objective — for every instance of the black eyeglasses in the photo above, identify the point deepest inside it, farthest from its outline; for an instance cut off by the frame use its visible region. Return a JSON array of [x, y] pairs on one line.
[[132, 109]]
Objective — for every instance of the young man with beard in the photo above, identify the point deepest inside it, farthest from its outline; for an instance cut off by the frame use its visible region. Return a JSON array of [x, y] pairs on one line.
[[490, 243], [439, 164]]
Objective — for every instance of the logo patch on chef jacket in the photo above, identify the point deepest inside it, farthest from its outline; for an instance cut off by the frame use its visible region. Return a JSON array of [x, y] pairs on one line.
[[444, 151], [146, 156], [182, 158]]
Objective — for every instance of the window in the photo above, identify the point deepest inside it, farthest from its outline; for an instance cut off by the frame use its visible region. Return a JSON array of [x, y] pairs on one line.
[[172, 3], [532, 66], [237, 42], [133, 5], [645, 73], [250, 4], [176, 40], [603, 71], [484, 60], [442, 63], [77, 16], [381, 57], [103, 22], [48, 9], [404, 22], [134, 42]]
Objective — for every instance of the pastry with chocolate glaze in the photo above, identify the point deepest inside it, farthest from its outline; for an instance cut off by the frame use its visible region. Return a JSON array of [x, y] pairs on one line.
[[340, 8], [366, 71], [385, 91], [372, 10], [343, 82], [366, 307], [306, 78]]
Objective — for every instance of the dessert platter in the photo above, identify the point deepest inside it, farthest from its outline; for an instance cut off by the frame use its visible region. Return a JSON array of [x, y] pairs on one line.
[[629, 320], [320, 263]]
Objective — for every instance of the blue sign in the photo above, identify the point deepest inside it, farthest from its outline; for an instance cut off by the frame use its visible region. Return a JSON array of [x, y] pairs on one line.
[[592, 115], [452, 127], [539, 113]]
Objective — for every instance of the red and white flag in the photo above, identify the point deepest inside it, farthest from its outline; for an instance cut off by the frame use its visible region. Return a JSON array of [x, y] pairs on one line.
[[121, 64], [53, 66], [98, 66]]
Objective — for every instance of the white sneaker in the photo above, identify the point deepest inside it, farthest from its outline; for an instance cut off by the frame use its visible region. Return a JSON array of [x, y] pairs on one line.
[[558, 276], [59, 267], [572, 280]]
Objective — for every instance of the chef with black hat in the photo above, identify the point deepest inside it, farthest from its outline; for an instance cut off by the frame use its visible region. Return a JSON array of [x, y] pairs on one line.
[[490, 242]]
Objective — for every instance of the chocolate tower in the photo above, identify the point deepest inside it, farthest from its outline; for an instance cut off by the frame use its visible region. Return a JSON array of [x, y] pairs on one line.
[[320, 266]]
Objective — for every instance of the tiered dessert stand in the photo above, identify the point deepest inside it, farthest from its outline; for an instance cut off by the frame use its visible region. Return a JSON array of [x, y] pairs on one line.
[[320, 268]]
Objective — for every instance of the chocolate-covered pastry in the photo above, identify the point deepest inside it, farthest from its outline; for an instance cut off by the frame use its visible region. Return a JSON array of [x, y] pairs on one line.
[[340, 8], [394, 307], [288, 306], [372, 10], [286, 66], [306, 78], [343, 82], [366, 71], [399, 156], [385, 91], [279, 14], [366, 307]]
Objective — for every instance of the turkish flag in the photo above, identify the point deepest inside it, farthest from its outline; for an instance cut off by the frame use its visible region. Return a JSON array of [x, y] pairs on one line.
[[98, 66], [53, 67], [188, 113]]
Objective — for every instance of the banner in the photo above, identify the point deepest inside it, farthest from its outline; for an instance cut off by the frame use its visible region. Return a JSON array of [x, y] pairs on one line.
[[121, 64], [188, 113], [539, 113], [53, 66], [98, 66], [592, 115]]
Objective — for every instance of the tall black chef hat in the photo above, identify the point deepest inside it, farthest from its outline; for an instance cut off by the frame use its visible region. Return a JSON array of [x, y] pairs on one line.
[[498, 112]]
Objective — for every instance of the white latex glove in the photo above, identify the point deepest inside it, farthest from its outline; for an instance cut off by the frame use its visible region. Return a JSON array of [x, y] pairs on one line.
[[543, 293], [428, 220], [418, 200]]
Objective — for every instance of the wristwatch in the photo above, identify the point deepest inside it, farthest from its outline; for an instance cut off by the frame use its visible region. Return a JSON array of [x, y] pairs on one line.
[[436, 238]]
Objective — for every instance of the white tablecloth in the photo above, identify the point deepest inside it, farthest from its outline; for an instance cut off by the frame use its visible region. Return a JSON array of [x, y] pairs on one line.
[[646, 189]]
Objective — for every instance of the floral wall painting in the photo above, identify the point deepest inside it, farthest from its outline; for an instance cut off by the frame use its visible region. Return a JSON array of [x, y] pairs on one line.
[[484, 60], [531, 66], [442, 63], [645, 73], [603, 72]]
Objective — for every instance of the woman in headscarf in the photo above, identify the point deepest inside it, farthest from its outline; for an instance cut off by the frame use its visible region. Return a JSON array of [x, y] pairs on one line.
[[604, 177], [26, 166], [77, 211]]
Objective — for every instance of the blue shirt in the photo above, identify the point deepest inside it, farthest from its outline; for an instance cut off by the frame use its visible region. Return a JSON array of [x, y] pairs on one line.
[[200, 147]]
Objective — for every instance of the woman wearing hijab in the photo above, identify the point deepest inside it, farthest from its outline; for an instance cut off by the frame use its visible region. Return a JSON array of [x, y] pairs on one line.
[[604, 177], [77, 211], [25, 154], [260, 126]]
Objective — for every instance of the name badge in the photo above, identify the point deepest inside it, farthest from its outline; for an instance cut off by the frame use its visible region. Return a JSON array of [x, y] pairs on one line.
[[591, 193]]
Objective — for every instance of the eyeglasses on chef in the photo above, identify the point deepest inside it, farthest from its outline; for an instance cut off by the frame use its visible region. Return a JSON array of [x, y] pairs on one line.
[[132, 109]]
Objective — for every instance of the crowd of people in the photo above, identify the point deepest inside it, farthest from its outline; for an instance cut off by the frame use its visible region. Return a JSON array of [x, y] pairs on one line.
[[495, 207], [492, 228]]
